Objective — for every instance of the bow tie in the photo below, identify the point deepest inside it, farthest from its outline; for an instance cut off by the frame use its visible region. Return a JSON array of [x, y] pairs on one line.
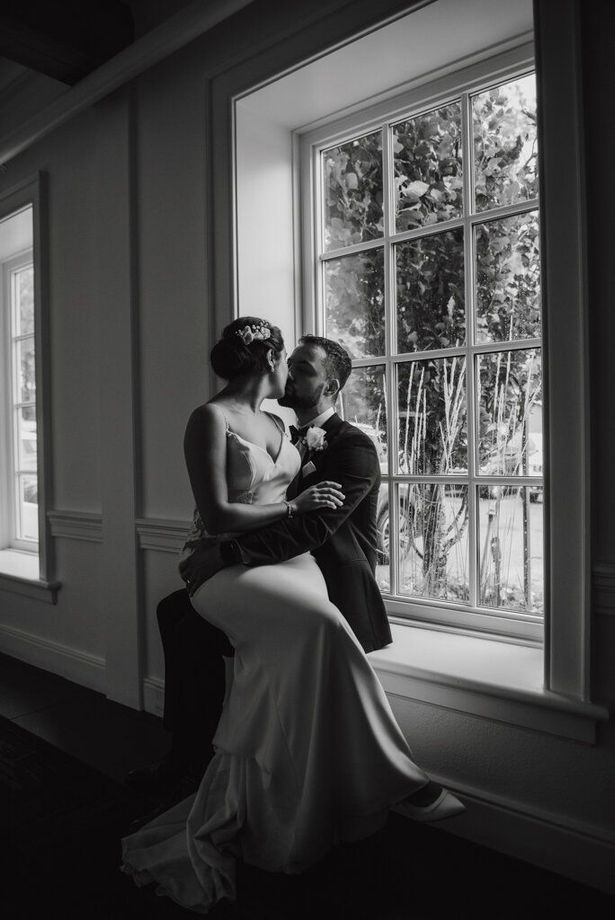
[[297, 433]]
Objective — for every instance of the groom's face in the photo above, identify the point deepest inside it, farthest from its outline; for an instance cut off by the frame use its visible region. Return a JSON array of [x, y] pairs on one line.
[[307, 378]]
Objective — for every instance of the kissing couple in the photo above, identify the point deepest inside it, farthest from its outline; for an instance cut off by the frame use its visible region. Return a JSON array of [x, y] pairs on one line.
[[282, 558]]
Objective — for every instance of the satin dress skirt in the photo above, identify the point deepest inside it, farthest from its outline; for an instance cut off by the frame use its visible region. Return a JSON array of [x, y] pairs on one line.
[[307, 750]]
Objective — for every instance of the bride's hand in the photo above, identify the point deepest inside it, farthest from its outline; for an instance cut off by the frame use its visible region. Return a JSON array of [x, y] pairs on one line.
[[324, 494]]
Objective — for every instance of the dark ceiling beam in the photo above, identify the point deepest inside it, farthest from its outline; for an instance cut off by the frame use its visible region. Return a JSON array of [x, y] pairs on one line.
[[64, 39]]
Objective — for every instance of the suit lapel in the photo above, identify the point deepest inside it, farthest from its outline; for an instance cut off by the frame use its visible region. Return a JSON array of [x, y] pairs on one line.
[[317, 457]]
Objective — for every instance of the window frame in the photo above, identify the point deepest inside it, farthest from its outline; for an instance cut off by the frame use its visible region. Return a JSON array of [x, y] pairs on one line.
[[309, 142], [10, 459], [36, 583]]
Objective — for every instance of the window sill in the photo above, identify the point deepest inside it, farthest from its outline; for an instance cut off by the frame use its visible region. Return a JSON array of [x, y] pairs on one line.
[[19, 574], [482, 677]]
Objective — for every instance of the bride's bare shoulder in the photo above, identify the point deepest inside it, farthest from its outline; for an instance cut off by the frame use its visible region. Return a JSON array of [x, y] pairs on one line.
[[208, 415]]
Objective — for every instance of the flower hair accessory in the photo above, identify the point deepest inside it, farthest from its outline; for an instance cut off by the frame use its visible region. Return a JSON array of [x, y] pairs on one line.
[[315, 438], [257, 332]]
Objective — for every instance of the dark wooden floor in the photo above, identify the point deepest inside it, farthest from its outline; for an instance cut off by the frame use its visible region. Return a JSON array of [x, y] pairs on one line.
[[114, 739], [106, 735]]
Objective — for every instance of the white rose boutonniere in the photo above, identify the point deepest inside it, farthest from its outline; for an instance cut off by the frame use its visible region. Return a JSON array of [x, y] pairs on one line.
[[316, 438]]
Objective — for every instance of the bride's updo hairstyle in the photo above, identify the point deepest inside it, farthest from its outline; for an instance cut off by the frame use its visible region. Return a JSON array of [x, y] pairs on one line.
[[243, 348]]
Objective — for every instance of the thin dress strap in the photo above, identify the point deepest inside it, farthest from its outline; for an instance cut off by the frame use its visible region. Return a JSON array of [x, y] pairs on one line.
[[223, 414]]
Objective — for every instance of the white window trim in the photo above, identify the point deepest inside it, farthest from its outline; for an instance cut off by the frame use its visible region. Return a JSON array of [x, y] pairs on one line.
[[526, 628], [9, 498], [561, 675], [17, 574]]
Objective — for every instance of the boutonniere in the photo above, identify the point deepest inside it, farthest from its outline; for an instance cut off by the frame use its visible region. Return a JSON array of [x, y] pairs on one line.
[[316, 438]]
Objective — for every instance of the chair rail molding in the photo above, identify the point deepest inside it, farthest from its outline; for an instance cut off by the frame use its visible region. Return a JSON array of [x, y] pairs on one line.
[[76, 525], [162, 534]]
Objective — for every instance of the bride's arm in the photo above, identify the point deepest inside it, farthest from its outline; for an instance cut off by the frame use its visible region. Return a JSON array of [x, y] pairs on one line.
[[205, 452]]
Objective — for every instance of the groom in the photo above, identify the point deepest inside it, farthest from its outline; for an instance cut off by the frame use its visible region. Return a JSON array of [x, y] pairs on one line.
[[343, 541]]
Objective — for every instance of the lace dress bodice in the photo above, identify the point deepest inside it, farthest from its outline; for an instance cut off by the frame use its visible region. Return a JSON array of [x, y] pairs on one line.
[[253, 477]]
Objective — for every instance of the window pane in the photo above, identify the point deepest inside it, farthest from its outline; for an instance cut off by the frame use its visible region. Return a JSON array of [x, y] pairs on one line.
[[430, 292], [432, 416], [26, 438], [24, 301], [364, 404], [27, 511], [427, 164], [383, 569], [510, 406], [26, 382], [508, 279], [505, 144], [352, 205], [354, 298], [511, 548], [433, 541]]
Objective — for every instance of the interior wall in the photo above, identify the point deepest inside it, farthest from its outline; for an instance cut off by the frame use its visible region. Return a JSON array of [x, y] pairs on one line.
[[525, 776], [74, 627], [173, 274], [265, 282]]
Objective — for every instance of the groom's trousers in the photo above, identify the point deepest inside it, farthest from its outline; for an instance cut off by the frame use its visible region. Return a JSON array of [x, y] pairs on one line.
[[193, 679]]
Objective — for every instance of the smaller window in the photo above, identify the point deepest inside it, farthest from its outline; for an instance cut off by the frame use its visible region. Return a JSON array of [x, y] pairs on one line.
[[19, 452]]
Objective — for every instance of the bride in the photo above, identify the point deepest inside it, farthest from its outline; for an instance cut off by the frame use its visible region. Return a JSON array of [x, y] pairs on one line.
[[307, 750]]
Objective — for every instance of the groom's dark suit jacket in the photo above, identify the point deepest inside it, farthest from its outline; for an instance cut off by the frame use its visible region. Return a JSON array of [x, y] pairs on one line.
[[343, 540]]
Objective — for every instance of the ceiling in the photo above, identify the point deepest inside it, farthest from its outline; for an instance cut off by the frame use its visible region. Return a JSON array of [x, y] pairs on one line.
[[65, 40]]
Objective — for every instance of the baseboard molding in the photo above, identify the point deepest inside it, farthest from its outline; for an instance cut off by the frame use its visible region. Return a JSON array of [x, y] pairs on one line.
[[153, 696], [74, 664], [565, 846], [603, 588]]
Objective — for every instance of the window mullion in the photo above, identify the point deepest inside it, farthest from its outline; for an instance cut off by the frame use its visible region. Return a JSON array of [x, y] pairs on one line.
[[351, 250], [318, 232], [505, 210], [388, 204], [469, 287]]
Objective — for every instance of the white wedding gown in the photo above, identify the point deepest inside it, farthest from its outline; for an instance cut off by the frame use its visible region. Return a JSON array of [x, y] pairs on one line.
[[307, 750]]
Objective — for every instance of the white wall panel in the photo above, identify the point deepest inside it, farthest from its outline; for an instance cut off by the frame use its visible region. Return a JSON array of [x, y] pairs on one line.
[[173, 275]]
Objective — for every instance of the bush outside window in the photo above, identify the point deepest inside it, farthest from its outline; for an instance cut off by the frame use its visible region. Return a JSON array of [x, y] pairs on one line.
[[427, 251]]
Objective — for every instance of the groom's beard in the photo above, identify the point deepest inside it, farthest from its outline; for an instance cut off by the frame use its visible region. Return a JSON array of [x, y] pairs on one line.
[[303, 404]]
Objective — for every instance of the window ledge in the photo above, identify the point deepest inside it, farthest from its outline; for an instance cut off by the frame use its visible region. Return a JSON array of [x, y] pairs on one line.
[[482, 677], [19, 574]]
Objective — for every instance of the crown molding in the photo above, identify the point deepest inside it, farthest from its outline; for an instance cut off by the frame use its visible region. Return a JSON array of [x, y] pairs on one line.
[[173, 34]]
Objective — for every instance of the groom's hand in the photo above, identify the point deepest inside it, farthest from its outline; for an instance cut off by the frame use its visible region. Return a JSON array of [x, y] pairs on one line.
[[202, 565]]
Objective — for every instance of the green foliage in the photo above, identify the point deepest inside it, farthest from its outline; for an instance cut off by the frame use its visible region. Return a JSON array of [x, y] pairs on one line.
[[428, 168], [353, 192], [355, 302], [430, 292], [505, 144], [430, 297]]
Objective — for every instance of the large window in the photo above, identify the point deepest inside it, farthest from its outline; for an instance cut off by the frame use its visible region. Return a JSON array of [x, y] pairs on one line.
[[426, 266]]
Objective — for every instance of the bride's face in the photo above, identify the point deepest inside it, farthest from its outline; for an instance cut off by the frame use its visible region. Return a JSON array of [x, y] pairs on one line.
[[279, 375]]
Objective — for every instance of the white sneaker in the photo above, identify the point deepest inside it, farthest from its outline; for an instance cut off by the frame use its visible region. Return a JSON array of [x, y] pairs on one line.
[[445, 806]]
